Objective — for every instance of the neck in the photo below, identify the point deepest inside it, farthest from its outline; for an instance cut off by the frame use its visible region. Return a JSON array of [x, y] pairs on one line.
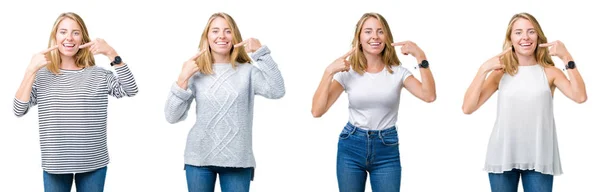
[[374, 62], [68, 63], [221, 58], [526, 60]]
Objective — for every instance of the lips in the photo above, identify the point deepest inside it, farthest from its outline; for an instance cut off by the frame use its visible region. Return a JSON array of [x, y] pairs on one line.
[[526, 44], [375, 44], [221, 43]]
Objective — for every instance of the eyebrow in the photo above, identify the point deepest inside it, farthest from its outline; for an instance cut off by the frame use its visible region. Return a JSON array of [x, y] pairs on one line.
[[218, 28], [522, 29], [61, 29], [372, 28]]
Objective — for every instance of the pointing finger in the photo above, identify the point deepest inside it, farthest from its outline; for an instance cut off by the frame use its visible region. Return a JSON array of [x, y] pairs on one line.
[[197, 54], [546, 44], [349, 53], [240, 44], [504, 52], [49, 49], [400, 43], [87, 44]]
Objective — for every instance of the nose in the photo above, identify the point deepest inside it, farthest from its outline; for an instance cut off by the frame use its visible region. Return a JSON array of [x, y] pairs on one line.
[[375, 36], [221, 35], [526, 36], [69, 37]]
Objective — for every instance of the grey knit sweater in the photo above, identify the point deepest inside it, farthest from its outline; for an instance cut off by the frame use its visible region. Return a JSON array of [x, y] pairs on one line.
[[222, 134]]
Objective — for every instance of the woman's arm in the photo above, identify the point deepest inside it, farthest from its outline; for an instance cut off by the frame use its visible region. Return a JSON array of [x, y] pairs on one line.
[[423, 90], [26, 95], [573, 87], [266, 80], [329, 91], [482, 88], [180, 97]]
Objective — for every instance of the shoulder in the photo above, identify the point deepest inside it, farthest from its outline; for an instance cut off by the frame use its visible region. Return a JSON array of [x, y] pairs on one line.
[[552, 72], [399, 68], [98, 69]]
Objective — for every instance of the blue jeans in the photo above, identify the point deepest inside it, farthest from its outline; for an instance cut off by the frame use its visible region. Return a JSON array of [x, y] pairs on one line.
[[374, 152], [532, 181], [202, 179], [92, 181]]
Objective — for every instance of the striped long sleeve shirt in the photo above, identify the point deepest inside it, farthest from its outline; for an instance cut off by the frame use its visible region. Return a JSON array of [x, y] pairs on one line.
[[72, 115]]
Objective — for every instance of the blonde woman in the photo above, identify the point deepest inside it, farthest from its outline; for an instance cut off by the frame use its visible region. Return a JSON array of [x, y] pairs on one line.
[[72, 94], [523, 143], [223, 83], [373, 79]]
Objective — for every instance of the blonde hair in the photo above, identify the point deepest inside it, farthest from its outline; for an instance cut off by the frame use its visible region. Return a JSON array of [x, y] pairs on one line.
[[389, 56], [83, 57], [541, 54], [239, 55]]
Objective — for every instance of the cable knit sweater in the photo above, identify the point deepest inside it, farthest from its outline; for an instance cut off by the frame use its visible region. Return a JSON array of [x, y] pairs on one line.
[[222, 134]]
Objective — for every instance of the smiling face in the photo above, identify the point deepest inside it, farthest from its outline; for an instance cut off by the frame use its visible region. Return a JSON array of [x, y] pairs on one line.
[[524, 37], [372, 36], [68, 37], [220, 37]]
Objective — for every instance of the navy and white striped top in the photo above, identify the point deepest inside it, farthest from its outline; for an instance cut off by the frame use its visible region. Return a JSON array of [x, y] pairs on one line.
[[72, 115]]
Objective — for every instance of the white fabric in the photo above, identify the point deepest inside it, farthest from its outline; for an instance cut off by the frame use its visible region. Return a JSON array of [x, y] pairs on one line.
[[373, 97], [524, 135]]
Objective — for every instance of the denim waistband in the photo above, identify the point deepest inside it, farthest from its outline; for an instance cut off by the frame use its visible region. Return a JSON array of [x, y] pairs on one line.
[[357, 130]]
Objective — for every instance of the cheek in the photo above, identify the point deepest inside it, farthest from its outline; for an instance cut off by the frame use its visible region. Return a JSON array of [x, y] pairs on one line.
[[211, 37]]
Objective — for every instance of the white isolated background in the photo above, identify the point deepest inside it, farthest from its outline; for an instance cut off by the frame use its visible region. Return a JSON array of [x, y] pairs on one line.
[[441, 149]]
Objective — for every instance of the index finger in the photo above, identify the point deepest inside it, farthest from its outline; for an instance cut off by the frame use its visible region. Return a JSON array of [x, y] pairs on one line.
[[349, 53], [197, 54], [546, 44], [399, 43], [504, 52], [86, 45], [240, 44], [49, 49]]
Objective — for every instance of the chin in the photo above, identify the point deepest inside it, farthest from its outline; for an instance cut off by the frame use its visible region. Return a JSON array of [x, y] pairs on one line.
[[68, 54]]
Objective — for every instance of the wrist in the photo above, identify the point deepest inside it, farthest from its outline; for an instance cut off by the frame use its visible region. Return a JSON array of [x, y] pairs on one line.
[[421, 58], [566, 59], [111, 55], [30, 72]]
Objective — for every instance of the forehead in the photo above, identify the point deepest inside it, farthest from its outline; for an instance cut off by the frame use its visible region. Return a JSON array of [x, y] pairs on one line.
[[522, 23], [219, 22], [372, 23], [68, 23]]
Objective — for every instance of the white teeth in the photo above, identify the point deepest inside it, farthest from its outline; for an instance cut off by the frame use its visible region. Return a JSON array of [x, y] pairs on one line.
[[68, 44], [221, 43], [525, 44], [374, 43]]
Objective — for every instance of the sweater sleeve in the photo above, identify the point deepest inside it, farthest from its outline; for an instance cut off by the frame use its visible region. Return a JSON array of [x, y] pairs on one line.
[[178, 103], [123, 84], [267, 81], [21, 108]]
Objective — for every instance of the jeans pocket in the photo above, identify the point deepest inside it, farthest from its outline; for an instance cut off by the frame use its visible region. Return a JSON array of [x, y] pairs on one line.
[[390, 139], [345, 134]]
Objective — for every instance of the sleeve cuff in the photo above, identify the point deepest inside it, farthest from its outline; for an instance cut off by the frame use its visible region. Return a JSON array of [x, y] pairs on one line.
[[262, 51], [179, 92]]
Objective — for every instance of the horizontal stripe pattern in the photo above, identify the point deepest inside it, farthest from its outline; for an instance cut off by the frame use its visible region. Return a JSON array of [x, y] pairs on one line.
[[72, 115]]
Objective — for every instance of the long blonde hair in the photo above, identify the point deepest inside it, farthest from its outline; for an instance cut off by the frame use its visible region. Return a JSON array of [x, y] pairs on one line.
[[239, 55], [83, 57], [541, 54], [389, 56]]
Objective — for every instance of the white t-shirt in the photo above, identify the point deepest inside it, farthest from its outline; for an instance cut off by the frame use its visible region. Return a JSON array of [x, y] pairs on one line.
[[373, 97]]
